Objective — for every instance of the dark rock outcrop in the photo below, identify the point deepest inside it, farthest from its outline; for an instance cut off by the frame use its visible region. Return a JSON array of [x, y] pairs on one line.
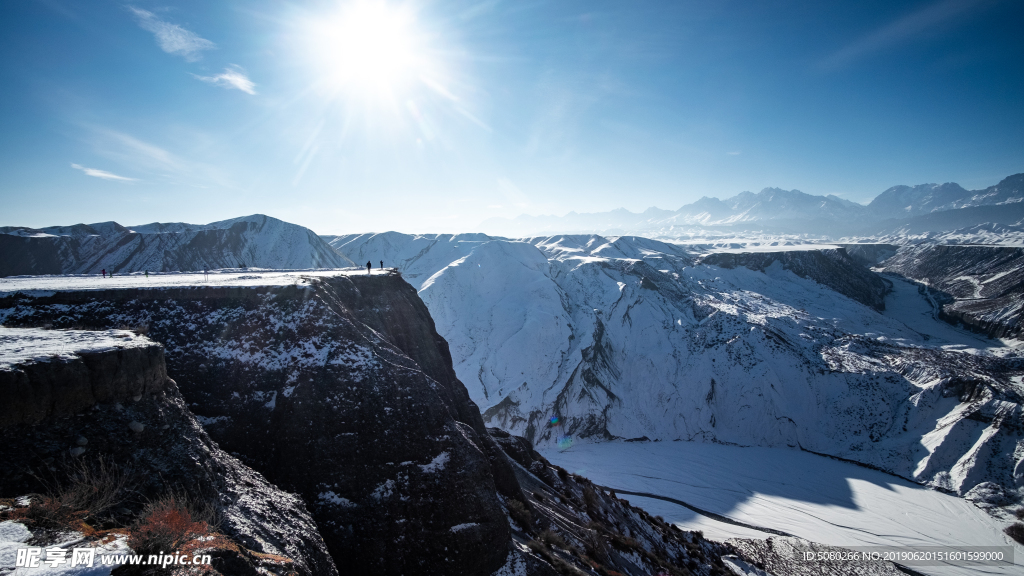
[[576, 526], [831, 267], [120, 407]]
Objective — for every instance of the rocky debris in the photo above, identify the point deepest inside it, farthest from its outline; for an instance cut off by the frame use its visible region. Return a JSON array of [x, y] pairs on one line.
[[830, 267], [784, 556], [981, 287], [156, 438]]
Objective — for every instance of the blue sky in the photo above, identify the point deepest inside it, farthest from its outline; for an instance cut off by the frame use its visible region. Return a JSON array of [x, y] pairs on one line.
[[430, 116]]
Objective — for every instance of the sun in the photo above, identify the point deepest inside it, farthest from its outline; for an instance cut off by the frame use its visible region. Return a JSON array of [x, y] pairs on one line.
[[369, 47]]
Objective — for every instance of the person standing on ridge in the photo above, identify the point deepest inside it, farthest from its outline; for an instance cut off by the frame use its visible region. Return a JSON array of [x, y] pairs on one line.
[[369, 265], [381, 264], [104, 272], [147, 274]]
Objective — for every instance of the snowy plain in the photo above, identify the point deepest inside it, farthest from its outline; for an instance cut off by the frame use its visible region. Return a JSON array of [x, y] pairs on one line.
[[812, 497], [21, 345], [249, 277], [14, 536]]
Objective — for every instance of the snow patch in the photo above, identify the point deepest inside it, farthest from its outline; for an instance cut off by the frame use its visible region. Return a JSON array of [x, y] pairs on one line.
[[437, 464]]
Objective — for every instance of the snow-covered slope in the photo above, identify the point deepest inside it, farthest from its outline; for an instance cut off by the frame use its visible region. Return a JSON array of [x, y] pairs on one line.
[[926, 198], [257, 241], [628, 337]]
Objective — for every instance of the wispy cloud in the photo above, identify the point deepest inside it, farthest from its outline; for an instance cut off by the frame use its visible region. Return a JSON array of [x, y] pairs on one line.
[[172, 38], [899, 31], [158, 163], [102, 174], [232, 78]]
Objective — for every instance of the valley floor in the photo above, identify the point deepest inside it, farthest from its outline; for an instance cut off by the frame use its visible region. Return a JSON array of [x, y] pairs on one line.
[[811, 497]]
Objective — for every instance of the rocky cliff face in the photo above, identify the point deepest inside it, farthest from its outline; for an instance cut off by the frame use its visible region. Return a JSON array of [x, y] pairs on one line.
[[71, 398], [253, 241], [981, 287], [832, 268], [341, 391]]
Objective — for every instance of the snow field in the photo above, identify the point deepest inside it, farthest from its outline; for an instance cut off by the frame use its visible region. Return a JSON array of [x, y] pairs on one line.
[[812, 497]]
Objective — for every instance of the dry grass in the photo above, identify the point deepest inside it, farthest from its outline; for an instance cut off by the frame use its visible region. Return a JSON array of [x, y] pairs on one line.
[[89, 492]]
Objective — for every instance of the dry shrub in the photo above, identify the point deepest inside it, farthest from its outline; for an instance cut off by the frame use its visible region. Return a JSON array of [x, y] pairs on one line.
[[518, 511], [590, 499], [173, 523], [1016, 531], [560, 566], [595, 546], [552, 538], [95, 488], [90, 491], [47, 513]]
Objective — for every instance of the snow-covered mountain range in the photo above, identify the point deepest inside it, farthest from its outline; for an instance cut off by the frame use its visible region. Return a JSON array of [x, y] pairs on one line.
[[632, 338], [790, 211], [254, 241]]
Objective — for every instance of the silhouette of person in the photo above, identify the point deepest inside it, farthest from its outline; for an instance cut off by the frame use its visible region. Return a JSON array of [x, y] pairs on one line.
[[381, 264], [147, 273], [104, 272], [369, 265]]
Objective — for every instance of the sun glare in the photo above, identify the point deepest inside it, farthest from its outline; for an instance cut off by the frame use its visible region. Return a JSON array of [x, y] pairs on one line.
[[369, 47]]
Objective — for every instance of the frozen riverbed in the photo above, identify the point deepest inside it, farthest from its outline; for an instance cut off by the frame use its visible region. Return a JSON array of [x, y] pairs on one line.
[[812, 497]]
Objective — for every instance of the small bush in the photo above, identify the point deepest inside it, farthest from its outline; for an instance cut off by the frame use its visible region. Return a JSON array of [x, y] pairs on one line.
[[1019, 513], [1016, 531], [563, 474], [518, 511], [95, 488], [560, 566], [171, 523], [538, 496], [552, 538], [589, 498], [594, 546]]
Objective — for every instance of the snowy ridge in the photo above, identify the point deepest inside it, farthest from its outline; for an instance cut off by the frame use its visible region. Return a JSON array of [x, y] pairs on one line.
[[256, 241], [628, 338], [793, 212]]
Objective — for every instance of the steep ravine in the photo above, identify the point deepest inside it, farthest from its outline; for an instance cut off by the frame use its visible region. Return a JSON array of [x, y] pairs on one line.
[[339, 389]]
